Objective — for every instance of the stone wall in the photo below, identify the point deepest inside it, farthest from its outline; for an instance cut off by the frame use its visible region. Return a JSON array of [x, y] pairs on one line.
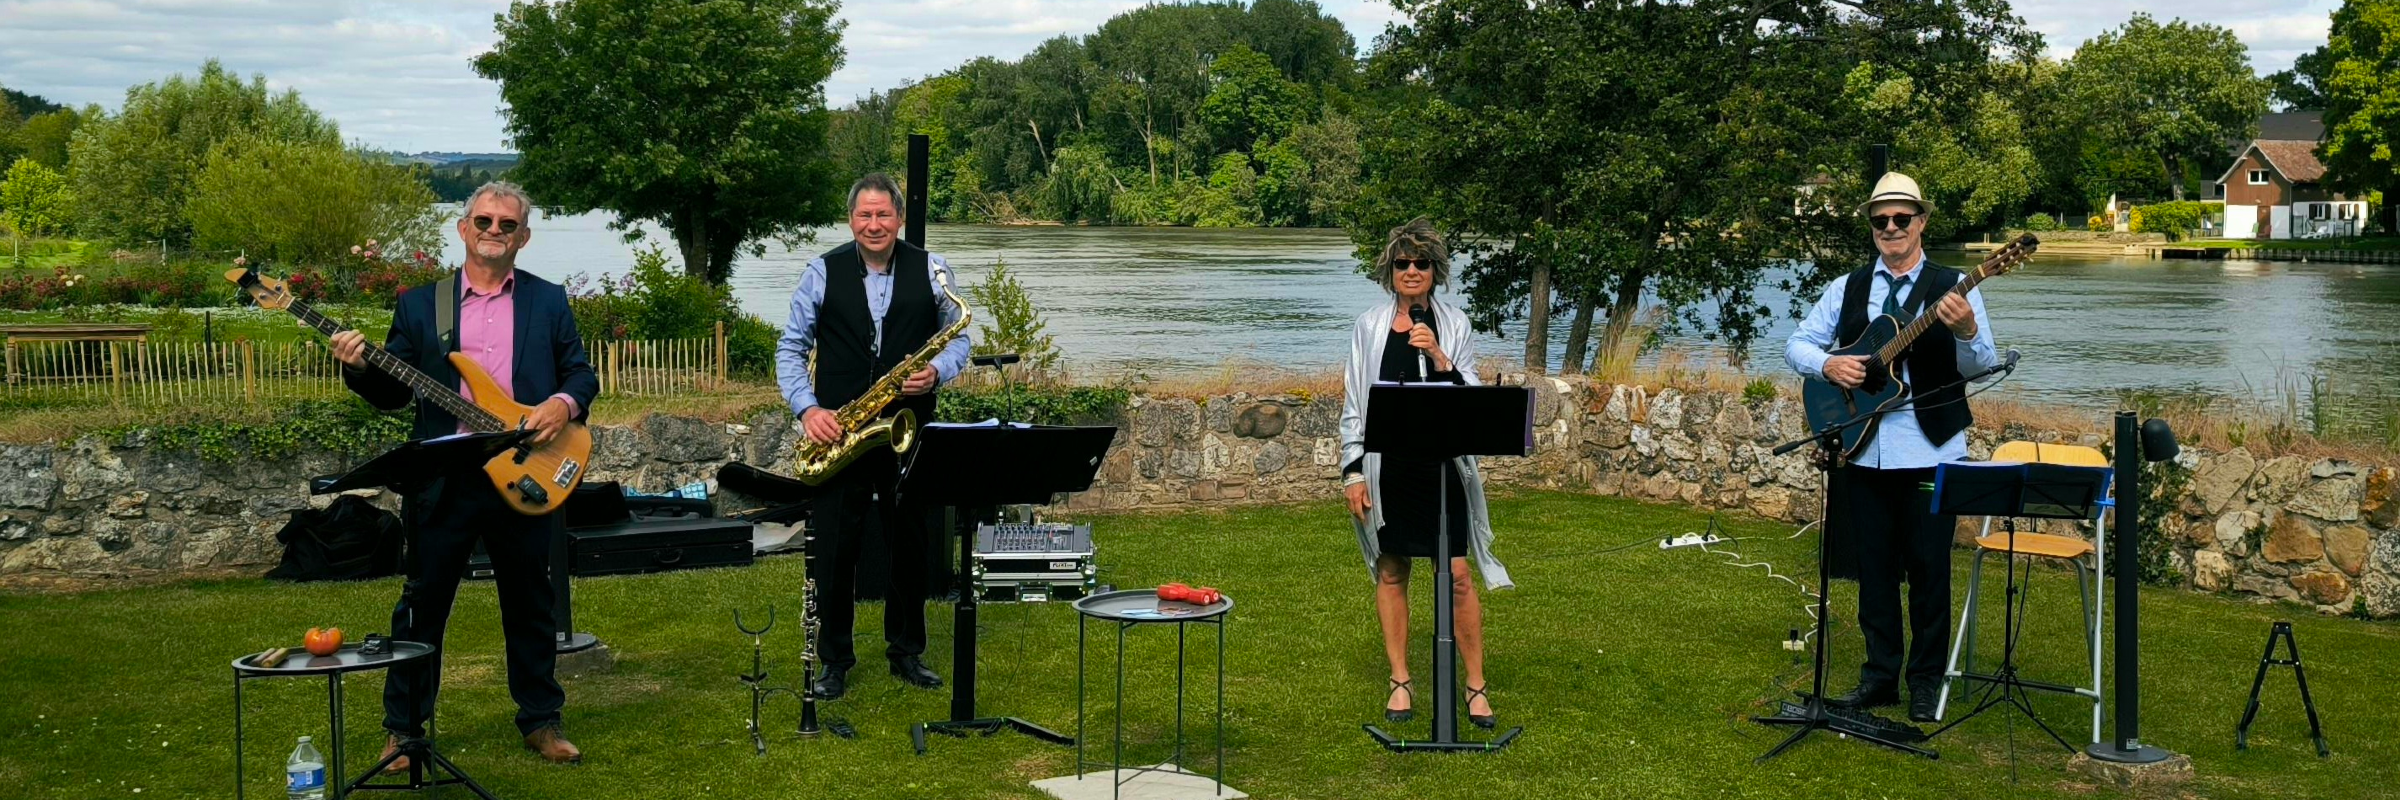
[[2315, 531]]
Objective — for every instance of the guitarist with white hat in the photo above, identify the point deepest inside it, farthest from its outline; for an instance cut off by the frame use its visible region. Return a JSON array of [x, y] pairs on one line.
[[1883, 510]]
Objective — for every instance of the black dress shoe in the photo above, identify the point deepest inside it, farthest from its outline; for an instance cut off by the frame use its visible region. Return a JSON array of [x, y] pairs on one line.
[[1922, 701], [911, 670], [833, 683], [1867, 695]]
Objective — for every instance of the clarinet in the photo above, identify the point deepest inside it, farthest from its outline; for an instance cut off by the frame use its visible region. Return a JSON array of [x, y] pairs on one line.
[[809, 625]]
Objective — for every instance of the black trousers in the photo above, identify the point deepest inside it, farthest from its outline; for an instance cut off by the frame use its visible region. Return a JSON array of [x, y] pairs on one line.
[[442, 528], [1895, 535], [859, 504]]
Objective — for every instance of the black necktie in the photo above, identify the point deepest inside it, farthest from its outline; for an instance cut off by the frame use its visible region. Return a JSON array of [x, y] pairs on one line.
[[1891, 298]]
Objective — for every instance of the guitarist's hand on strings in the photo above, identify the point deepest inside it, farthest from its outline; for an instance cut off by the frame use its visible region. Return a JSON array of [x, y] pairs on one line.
[[350, 348], [1954, 312], [1846, 371], [548, 419]]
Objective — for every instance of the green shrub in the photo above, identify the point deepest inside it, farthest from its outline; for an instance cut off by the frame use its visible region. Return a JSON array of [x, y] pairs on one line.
[[2041, 222], [2174, 219], [1010, 323], [655, 301], [1759, 390], [1041, 404]]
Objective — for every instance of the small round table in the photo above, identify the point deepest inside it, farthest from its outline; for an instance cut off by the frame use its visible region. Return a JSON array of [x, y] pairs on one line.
[[1127, 609], [302, 665]]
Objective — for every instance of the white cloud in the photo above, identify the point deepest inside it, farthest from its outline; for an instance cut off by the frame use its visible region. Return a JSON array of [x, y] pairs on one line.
[[395, 74]]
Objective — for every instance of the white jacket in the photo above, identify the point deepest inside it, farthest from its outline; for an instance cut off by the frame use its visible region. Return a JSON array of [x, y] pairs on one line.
[[1367, 338]]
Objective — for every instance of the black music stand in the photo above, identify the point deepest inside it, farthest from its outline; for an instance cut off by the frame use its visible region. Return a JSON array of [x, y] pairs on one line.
[[1444, 421], [954, 465], [405, 469], [2009, 491]]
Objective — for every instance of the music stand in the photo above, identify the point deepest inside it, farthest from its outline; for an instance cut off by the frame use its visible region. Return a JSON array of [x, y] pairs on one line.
[[405, 469], [1445, 421], [2009, 490], [953, 466]]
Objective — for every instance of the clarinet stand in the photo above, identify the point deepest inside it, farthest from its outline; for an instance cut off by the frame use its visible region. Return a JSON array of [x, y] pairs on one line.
[[756, 679], [1815, 714], [992, 465], [1445, 422]]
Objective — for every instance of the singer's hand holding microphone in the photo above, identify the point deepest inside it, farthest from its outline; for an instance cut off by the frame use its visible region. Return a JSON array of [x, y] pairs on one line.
[[1420, 336]]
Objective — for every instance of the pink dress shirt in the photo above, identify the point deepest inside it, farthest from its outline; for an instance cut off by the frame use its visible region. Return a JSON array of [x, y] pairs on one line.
[[487, 334]]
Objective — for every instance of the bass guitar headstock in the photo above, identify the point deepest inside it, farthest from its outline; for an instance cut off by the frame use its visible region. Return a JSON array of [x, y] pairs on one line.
[[2008, 257], [268, 292]]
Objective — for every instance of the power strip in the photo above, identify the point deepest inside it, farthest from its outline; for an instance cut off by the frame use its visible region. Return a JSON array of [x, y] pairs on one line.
[[1690, 540]]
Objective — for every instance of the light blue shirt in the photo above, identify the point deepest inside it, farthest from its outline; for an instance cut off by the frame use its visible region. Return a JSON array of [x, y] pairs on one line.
[[800, 333], [1899, 443]]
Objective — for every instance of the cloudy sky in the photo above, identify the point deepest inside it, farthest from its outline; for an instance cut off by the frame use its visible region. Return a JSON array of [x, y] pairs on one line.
[[395, 74]]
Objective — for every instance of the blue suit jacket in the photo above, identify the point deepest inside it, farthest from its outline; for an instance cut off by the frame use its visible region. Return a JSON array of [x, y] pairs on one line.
[[549, 357]]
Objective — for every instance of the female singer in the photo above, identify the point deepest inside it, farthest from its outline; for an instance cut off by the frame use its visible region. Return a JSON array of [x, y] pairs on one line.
[[1392, 500]]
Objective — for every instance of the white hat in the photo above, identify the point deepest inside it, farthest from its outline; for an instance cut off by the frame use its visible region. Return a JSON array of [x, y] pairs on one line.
[[1895, 186]]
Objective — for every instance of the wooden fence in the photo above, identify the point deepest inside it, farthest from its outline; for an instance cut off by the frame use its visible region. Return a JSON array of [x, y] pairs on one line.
[[43, 373]]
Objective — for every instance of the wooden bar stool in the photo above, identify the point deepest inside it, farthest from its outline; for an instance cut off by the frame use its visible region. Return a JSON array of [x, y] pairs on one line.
[[2087, 557]]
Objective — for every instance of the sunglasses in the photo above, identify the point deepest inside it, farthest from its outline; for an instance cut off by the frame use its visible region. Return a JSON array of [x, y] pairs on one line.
[[1893, 221], [1420, 264], [485, 222]]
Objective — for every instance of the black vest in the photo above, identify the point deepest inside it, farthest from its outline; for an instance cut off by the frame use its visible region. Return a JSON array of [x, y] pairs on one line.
[[1932, 360], [847, 359]]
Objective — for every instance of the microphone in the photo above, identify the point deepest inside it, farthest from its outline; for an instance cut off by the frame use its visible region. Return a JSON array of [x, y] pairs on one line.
[[1420, 315], [2008, 363]]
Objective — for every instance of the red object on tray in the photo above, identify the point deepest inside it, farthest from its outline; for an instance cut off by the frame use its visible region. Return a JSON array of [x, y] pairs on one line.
[[1202, 596]]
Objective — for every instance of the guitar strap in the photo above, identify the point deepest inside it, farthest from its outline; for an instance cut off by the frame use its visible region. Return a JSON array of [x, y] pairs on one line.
[[445, 312]]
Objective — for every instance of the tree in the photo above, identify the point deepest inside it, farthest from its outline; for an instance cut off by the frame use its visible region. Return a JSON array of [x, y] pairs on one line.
[[2176, 92], [2302, 88], [2362, 102], [307, 202], [1612, 156], [1251, 103], [1009, 323], [34, 201], [46, 137], [134, 170], [706, 117]]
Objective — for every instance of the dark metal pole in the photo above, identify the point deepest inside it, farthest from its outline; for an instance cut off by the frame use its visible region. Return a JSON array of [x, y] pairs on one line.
[[2128, 748], [920, 148], [1879, 161]]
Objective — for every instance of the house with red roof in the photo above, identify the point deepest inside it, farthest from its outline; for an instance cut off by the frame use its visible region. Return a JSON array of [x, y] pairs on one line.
[[2275, 188]]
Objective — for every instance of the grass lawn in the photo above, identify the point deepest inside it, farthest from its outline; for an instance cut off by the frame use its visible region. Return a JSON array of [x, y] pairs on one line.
[[1632, 671]]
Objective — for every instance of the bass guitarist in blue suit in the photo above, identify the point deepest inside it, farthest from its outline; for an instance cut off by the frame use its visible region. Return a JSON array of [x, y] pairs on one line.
[[1882, 504]]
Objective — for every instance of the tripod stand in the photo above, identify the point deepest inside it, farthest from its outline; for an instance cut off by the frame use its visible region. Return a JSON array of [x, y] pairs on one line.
[[1816, 714]]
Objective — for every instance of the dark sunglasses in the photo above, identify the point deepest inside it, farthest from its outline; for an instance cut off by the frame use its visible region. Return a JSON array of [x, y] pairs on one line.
[[1893, 221], [1420, 264], [484, 222]]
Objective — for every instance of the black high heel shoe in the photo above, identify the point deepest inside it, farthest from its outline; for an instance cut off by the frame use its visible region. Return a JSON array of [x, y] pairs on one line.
[[1484, 721], [1402, 715]]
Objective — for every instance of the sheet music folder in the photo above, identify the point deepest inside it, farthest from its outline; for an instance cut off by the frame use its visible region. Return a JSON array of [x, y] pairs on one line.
[[2018, 489], [422, 459], [1444, 420], [994, 465]]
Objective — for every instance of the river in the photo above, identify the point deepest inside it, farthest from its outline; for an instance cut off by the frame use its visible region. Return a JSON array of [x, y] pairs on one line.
[[1162, 300]]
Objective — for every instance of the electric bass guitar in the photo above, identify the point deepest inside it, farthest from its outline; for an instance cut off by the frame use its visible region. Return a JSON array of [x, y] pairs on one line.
[[1882, 343], [532, 479]]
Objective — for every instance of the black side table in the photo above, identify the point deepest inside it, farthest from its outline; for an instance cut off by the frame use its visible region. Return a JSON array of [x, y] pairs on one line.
[[302, 665], [1126, 609]]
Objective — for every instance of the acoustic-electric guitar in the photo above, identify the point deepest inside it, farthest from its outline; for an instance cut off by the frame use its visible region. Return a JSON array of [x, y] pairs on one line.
[[1882, 343], [532, 479]]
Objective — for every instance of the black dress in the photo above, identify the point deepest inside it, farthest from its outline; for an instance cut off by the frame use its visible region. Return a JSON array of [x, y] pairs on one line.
[[1410, 513]]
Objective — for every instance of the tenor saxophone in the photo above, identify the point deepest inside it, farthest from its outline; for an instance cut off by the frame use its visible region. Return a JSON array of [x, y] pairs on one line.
[[863, 428]]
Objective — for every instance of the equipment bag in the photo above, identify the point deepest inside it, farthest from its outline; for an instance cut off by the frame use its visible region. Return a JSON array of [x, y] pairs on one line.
[[351, 539]]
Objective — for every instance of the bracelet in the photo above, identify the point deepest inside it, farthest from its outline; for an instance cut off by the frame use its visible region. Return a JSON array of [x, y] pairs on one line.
[[1350, 479]]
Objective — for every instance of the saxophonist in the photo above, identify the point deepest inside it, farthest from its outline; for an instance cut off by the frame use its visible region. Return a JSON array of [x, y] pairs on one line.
[[862, 309]]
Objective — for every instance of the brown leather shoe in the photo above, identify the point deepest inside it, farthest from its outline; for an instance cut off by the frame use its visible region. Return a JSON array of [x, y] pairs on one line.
[[391, 744], [553, 747]]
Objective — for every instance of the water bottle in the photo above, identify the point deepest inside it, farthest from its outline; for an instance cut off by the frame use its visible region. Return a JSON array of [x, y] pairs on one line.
[[304, 773]]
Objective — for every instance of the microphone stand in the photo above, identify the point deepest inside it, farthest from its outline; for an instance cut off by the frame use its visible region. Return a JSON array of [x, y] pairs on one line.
[[1815, 714]]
